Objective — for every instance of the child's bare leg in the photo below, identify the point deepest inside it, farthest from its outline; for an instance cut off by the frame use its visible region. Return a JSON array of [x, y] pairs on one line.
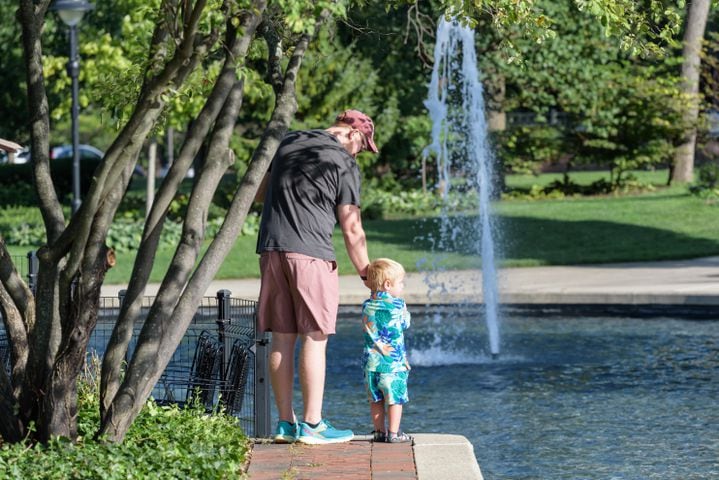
[[394, 414], [377, 412]]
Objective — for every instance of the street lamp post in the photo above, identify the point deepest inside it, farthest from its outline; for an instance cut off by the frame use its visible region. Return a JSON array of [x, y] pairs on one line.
[[71, 12]]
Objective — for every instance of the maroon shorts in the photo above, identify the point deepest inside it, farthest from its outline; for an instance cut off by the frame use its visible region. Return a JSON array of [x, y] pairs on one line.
[[298, 294]]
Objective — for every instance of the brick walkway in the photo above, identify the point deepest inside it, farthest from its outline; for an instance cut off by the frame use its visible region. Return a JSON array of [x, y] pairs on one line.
[[359, 459]]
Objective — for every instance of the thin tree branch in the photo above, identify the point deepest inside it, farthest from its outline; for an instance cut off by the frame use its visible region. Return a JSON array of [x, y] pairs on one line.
[[423, 27], [158, 50], [274, 75], [32, 16], [18, 311]]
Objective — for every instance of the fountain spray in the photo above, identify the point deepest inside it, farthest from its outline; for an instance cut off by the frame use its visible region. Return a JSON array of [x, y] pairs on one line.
[[459, 142]]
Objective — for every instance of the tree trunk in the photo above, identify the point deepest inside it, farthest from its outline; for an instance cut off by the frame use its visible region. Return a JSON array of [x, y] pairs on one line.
[[496, 116], [117, 347], [11, 428], [74, 261], [59, 409], [683, 170]]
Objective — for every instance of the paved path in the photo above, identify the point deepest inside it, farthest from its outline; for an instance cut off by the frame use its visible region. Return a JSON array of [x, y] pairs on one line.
[[681, 282], [432, 457], [357, 460]]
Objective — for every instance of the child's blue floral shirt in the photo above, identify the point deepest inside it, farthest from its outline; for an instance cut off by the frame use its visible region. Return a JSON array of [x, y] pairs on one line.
[[385, 318]]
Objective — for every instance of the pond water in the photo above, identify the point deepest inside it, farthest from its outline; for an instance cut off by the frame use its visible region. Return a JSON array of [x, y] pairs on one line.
[[569, 398]]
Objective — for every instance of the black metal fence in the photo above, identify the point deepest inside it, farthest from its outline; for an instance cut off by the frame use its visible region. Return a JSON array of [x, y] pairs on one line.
[[221, 360]]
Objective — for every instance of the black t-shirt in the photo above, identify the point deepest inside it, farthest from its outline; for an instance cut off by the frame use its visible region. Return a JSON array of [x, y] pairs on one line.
[[311, 174]]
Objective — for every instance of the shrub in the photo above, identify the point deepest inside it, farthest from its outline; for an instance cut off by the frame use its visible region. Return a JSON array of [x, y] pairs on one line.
[[558, 189], [25, 234], [17, 194], [378, 203], [707, 183], [165, 442], [126, 233], [21, 225]]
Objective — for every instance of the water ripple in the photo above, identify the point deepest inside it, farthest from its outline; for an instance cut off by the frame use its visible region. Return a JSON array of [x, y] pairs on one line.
[[600, 398]]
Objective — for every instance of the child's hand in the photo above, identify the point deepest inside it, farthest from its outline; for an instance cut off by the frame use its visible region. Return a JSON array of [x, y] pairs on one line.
[[406, 317]]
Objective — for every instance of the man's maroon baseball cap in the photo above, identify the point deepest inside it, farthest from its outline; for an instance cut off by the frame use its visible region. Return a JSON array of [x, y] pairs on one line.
[[361, 122]]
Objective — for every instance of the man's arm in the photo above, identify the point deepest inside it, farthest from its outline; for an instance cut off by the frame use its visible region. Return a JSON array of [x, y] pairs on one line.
[[355, 241]]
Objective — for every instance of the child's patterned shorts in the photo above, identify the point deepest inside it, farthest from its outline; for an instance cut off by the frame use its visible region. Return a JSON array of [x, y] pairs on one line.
[[390, 387]]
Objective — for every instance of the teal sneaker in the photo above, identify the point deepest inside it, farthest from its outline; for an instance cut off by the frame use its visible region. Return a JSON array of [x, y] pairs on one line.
[[286, 432], [324, 433]]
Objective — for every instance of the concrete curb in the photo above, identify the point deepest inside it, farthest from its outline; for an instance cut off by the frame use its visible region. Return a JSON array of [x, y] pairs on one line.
[[445, 456], [681, 282]]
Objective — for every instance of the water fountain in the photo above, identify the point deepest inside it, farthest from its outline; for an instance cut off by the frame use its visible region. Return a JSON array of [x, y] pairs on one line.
[[585, 396], [459, 142]]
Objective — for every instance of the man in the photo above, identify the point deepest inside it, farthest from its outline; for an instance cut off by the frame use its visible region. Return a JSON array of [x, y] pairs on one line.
[[313, 183]]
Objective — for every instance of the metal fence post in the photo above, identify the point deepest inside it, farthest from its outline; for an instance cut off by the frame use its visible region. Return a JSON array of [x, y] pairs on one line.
[[32, 267], [263, 413], [223, 318], [121, 297]]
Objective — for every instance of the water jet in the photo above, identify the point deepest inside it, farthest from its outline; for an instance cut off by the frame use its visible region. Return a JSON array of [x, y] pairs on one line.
[[460, 145]]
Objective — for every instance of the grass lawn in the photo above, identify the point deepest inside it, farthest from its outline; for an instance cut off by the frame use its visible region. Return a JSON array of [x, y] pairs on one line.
[[525, 182], [665, 224]]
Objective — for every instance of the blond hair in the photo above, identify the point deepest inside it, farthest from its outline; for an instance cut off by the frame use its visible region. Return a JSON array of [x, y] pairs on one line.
[[381, 270]]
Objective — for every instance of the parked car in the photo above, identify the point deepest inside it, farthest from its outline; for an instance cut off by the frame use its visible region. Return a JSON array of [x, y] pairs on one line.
[[62, 151], [86, 151], [22, 156]]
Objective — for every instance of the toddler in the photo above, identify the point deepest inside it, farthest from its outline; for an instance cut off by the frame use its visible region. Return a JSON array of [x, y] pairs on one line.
[[385, 317]]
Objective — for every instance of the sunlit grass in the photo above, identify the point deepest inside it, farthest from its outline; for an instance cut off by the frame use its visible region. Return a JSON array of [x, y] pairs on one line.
[[666, 223]]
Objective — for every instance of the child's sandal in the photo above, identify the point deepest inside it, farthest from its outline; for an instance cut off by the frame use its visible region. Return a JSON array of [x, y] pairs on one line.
[[398, 437]]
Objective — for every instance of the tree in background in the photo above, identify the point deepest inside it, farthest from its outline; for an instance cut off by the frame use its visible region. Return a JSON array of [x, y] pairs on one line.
[[397, 41], [590, 101], [709, 89], [398, 45], [698, 12]]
